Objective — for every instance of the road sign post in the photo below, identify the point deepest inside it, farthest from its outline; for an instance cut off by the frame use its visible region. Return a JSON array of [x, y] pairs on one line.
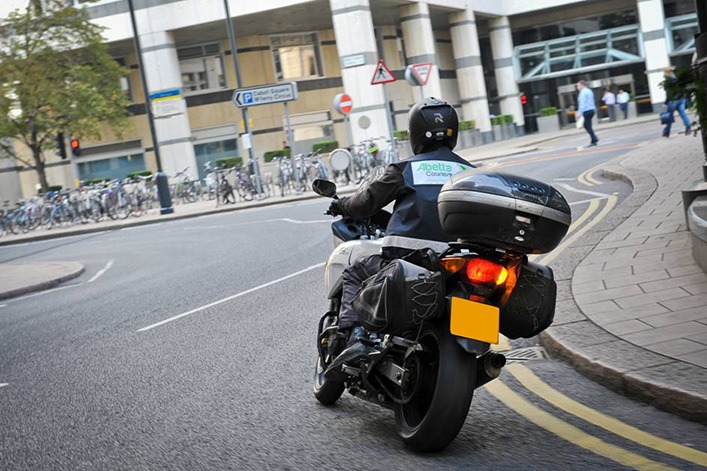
[[417, 75], [344, 104], [266, 95]]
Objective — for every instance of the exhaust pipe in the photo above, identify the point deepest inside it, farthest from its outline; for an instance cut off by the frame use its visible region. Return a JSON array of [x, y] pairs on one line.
[[488, 367]]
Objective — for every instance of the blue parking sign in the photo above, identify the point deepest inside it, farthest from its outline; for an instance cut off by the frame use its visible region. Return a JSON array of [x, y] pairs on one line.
[[247, 98]]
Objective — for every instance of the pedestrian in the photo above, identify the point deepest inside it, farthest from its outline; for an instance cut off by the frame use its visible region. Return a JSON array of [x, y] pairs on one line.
[[609, 99], [622, 99], [674, 100], [587, 109]]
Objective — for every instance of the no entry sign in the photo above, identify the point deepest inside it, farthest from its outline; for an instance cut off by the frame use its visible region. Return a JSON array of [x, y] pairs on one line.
[[343, 103]]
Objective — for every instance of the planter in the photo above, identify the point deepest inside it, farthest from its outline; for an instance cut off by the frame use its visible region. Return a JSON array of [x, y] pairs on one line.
[[548, 124], [405, 150], [465, 139], [475, 137], [509, 131], [497, 132]]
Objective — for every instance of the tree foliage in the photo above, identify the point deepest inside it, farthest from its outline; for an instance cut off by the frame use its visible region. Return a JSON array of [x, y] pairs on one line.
[[56, 75]]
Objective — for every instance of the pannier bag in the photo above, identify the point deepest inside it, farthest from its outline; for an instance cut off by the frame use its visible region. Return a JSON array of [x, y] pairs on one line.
[[531, 306], [399, 298]]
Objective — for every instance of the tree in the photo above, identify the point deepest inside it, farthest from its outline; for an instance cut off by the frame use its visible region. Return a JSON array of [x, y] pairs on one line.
[[56, 75]]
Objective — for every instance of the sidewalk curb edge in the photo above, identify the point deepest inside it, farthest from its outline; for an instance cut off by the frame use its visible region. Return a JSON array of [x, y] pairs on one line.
[[45, 285]]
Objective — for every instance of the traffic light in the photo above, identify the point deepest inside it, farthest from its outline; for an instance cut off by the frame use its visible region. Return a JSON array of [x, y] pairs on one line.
[[75, 147], [523, 99], [60, 146]]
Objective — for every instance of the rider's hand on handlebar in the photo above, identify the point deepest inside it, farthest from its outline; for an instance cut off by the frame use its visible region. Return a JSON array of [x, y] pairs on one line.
[[334, 209]]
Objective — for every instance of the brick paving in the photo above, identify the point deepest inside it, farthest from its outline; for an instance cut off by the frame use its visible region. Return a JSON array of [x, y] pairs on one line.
[[641, 282]]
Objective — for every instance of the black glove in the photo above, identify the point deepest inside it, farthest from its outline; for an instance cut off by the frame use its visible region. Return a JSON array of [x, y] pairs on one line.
[[335, 208]]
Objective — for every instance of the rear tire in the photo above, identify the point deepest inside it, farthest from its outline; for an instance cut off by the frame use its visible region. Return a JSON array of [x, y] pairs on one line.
[[437, 410]]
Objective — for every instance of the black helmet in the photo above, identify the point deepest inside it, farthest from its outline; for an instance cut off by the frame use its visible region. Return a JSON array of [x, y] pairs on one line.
[[432, 123]]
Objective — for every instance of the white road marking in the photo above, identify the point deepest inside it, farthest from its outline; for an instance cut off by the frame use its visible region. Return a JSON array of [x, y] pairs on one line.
[[586, 192], [297, 221], [229, 298], [3, 305], [102, 271], [3, 384], [564, 179]]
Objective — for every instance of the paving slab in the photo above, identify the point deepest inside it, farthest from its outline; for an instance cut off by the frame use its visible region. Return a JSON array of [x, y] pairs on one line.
[[20, 278], [637, 321]]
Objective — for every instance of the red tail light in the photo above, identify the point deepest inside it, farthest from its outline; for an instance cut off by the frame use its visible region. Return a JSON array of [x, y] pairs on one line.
[[484, 272]]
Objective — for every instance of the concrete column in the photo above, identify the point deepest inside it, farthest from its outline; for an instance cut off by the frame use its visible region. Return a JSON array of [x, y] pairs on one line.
[[655, 47], [356, 44], [173, 132], [420, 45], [470, 73], [502, 51]]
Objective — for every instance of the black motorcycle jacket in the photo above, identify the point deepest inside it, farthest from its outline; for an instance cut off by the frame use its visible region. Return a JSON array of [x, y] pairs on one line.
[[414, 184]]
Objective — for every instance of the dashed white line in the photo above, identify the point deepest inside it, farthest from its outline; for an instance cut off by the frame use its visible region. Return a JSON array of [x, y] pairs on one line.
[[3, 384], [102, 271], [229, 298]]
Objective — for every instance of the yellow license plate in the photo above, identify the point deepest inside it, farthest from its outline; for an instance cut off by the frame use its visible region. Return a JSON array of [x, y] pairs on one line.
[[474, 320]]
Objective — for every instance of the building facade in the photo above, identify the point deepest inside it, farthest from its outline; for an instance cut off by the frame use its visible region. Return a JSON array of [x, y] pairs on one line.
[[486, 54]]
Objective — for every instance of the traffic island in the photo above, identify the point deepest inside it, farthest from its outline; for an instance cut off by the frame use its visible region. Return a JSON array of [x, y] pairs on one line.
[[17, 279]]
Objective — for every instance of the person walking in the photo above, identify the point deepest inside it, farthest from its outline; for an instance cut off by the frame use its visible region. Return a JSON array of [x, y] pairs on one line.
[[622, 99], [609, 99], [674, 100], [587, 109]]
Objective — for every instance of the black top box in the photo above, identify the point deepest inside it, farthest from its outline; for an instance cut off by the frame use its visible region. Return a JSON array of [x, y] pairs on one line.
[[503, 211]]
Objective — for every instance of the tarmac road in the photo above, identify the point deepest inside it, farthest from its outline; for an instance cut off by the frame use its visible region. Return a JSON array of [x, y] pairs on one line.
[[190, 345]]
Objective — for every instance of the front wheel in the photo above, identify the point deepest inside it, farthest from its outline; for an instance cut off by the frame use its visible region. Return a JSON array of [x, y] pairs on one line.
[[437, 393], [327, 391]]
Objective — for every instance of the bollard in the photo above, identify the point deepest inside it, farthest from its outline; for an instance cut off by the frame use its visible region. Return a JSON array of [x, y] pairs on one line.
[[163, 193]]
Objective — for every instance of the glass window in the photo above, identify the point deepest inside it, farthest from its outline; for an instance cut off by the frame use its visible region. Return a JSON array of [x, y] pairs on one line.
[[114, 167], [201, 68], [296, 56], [211, 151]]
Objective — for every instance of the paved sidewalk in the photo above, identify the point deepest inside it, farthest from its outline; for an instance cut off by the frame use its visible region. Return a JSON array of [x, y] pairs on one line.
[[20, 278], [636, 315]]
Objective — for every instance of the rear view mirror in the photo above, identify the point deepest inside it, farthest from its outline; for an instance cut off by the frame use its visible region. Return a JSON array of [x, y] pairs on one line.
[[324, 188]]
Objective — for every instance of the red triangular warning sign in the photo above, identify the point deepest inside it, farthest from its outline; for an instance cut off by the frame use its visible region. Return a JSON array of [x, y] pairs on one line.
[[423, 71], [382, 74]]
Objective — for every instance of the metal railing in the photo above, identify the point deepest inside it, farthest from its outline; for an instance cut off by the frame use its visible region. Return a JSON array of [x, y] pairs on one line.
[[680, 32]]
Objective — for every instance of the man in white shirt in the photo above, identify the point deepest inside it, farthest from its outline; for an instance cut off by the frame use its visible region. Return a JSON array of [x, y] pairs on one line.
[[610, 101], [622, 99]]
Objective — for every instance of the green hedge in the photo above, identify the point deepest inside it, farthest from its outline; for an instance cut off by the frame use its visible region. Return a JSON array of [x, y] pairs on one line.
[[228, 162], [401, 134], [467, 125], [496, 121], [93, 181], [139, 173], [325, 146], [54, 188], [271, 154], [549, 111], [507, 118]]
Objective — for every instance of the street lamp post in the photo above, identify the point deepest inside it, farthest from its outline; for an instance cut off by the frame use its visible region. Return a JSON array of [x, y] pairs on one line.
[[160, 177], [246, 117]]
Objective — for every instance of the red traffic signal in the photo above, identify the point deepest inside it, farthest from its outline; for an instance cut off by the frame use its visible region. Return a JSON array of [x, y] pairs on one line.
[[523, 99], [75, 147]]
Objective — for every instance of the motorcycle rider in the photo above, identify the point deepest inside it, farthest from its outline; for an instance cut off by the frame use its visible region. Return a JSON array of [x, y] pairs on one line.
[[414, 184]]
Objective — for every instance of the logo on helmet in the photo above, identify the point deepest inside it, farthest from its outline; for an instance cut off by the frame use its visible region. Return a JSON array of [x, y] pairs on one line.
[[439, 118]]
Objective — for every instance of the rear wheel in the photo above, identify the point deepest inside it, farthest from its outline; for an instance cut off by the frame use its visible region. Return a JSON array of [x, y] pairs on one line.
[[438, 392]]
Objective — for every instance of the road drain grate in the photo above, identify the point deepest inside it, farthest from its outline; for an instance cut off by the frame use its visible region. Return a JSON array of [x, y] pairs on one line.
[[526, 354]]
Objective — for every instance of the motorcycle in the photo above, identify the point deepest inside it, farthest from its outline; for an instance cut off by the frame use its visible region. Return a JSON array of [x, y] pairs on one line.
[[427, 371]]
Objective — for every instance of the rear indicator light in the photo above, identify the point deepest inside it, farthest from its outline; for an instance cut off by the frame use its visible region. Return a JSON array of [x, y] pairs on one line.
[[484, 272], [453, 264]]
